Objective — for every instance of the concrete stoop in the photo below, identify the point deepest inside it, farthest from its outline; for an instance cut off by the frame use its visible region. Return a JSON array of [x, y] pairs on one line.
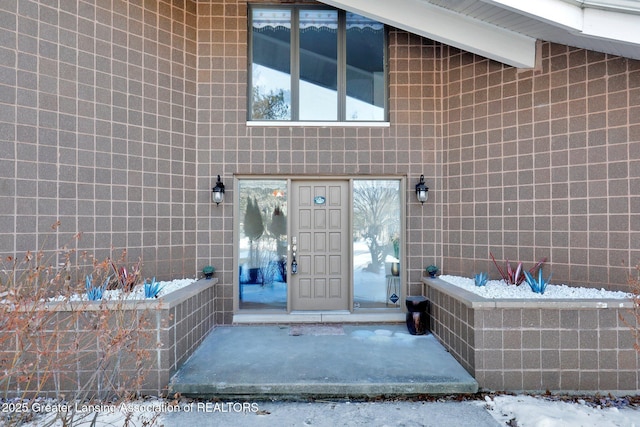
[[319, 361]]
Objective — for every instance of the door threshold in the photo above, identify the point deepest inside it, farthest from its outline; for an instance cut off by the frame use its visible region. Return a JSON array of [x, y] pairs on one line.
[[318, 317]]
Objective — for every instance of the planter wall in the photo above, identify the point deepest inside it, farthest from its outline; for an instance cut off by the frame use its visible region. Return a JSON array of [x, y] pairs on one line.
[[168, 330], [545, 345]]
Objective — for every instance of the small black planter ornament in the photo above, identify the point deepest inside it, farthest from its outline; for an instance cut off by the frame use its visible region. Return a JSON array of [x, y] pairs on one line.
[[417, 317], [432, 270], [208, 271]]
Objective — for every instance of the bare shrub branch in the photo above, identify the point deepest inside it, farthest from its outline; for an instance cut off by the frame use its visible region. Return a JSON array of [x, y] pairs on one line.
[[67, 348]]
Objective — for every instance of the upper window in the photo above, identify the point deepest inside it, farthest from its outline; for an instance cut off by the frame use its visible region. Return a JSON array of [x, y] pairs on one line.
[[316, 64]]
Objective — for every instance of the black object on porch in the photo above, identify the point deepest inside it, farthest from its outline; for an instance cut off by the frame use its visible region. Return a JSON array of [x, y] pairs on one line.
[[417, 317]]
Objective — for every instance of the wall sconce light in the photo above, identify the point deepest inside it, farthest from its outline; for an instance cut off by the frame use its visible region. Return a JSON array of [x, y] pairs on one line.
[[422, 191], [217, 192]]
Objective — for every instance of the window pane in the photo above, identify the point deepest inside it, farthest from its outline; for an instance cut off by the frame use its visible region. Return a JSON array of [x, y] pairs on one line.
[[365, 69], [321, 81], [318, 64], [271, 65], [262, 245], [376, 243]]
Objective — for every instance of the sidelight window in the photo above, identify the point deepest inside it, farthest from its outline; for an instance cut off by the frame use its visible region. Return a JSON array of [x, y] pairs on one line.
[[377, 243]]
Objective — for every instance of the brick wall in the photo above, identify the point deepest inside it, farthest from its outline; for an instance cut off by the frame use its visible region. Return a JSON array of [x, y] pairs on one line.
[[550, 345], [73, 354], [542, 163], [97, 130], [409, 147], [116, 121]]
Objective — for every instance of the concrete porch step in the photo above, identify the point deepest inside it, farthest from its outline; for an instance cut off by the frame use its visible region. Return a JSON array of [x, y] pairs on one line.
[[321, 361]]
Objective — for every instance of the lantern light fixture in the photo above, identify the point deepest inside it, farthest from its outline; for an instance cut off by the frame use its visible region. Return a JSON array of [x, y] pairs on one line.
[[422, 191], [217, 192]]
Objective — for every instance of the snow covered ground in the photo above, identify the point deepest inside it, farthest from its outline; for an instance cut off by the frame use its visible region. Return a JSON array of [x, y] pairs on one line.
[[498, 410], [530, 411]]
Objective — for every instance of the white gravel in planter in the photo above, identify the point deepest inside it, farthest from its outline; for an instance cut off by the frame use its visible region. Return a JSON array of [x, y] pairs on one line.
[[495, 289], [137, 293]]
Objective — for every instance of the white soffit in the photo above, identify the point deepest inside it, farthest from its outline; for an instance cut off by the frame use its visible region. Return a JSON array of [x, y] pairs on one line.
[[446, 26], [609, 26], [506, 30], [609, 20], [555, 12], [606, 24]]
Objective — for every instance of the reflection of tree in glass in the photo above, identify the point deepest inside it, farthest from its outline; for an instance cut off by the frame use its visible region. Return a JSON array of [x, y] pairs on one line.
[[269, 106], [278, 226], [376, 217], [253, 226]]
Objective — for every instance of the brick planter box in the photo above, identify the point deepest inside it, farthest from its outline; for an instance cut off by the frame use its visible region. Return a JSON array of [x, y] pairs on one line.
[[528, 345], [167, 331]]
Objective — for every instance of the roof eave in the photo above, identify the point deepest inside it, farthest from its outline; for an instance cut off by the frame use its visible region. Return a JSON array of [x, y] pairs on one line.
[[613, 20], [420, 17]]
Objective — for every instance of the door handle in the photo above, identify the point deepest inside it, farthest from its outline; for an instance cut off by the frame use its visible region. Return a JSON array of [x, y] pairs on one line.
[[294, 263]]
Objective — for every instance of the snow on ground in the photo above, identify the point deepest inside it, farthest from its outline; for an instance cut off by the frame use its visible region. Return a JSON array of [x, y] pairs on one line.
[[49, 412], [506, 410], [530, 411], [498, 289]]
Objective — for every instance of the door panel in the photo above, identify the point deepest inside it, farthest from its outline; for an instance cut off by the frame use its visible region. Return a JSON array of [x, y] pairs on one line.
[[319, 218]]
